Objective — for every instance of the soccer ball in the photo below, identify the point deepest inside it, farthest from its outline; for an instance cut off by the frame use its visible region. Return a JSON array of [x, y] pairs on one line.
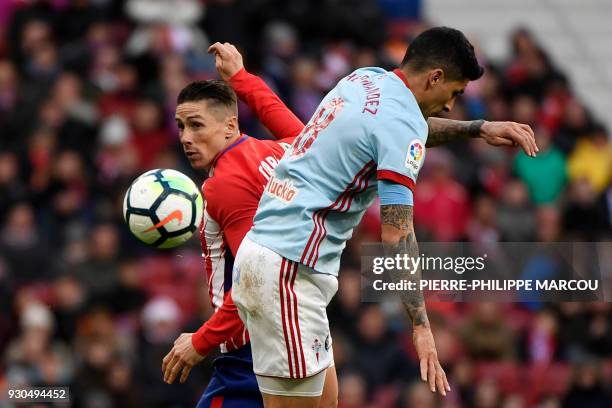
[[163, 208]]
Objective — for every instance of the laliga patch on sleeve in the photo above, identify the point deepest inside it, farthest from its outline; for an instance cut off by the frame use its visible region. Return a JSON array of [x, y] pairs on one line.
[[416, 153]]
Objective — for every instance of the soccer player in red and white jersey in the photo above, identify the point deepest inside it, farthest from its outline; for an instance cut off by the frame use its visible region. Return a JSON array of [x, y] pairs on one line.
[[239, 167]]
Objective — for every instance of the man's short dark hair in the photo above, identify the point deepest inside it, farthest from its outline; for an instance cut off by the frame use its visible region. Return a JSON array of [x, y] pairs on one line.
[[445, 48], [212, 90]]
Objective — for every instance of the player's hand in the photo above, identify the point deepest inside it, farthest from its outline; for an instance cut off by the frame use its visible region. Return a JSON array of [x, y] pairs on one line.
[[431, 370], [510, 134], [183, 356], [228, 60]]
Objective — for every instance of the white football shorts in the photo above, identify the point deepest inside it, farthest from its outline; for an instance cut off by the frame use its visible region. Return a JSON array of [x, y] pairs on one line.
[[283, 305]]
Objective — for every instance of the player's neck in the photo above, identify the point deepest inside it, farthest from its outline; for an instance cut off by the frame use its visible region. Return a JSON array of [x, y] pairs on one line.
[[228, 142], [418, 84], [231, 139]]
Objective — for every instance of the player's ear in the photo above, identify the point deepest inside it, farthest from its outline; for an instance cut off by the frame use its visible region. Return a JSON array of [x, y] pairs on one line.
[[231, 125], [436, 77]]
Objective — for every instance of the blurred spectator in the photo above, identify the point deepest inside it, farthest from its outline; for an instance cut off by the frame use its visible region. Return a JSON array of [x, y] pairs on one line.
[[548, 224], [463, 380], [377, 355], [128, 294], [34, 358], [572, 325], [14, 106], [419, 395], [442, 206], [281, 44], [541, 339], [491, 171], [12, 187], [585, 216], [91, 379], [346, 306], [592, 160], [99, 273], [120, 380], [116, 160], [352, 390], [599, 336], [148, 137], [515, 214], [485, 336], [161, 319], [514, 401], [525, 110], [482, 227], [70, 301], [531, 70], [545, 174], [550, 402], [575, 123], [487, 394], [305, 96], [23, 247], [76, 131], [587, 389]]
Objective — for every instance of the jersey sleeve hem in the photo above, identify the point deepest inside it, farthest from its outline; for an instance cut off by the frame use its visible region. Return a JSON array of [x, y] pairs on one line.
[[240, 75], [201, 343], [396, 178]]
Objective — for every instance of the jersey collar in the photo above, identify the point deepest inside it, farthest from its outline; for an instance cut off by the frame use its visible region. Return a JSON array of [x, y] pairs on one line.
[[401, 76], [242, 138]]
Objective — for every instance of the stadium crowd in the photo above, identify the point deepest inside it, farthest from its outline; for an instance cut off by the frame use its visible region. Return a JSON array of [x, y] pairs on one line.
[[87, 98]]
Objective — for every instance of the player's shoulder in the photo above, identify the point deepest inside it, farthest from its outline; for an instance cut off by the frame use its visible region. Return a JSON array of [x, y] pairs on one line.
[[396, 93], [391, 91], [237, 173], [267, 145], [399, 105], [380, 76], [400, 119], [254, 148], [218, 188], [369, 71]]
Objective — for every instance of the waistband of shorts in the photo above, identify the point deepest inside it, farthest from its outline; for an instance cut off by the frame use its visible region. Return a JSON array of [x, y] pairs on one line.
[[242, 353]]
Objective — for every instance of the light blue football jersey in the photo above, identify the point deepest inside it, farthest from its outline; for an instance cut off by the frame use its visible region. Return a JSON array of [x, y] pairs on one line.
[[368, 127]]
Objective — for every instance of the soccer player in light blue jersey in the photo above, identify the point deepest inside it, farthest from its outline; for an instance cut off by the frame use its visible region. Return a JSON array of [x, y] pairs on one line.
[[368, 136]]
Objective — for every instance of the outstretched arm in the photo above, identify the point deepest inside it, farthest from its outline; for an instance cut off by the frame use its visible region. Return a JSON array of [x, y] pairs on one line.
[[398, 238], [442, 131], [282, 123], [252, 90]]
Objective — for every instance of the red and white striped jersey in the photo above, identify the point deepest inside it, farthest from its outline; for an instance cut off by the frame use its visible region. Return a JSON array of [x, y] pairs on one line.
[[231, 194]]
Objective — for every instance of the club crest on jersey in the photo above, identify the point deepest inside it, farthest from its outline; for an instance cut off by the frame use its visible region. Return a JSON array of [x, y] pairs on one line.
[[414, 158], [316, 347], [282, 190]]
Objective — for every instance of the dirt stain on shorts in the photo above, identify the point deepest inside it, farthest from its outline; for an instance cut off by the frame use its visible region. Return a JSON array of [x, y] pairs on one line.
[[252, 283]]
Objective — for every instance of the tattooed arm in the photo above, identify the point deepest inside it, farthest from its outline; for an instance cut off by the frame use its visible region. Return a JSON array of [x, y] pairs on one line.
[[398, 238], [442, 131]]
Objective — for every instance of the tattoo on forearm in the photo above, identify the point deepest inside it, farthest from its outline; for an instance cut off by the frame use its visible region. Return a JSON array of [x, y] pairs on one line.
[[400, 217], [397, 216], [442, 131], [414, 300]]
